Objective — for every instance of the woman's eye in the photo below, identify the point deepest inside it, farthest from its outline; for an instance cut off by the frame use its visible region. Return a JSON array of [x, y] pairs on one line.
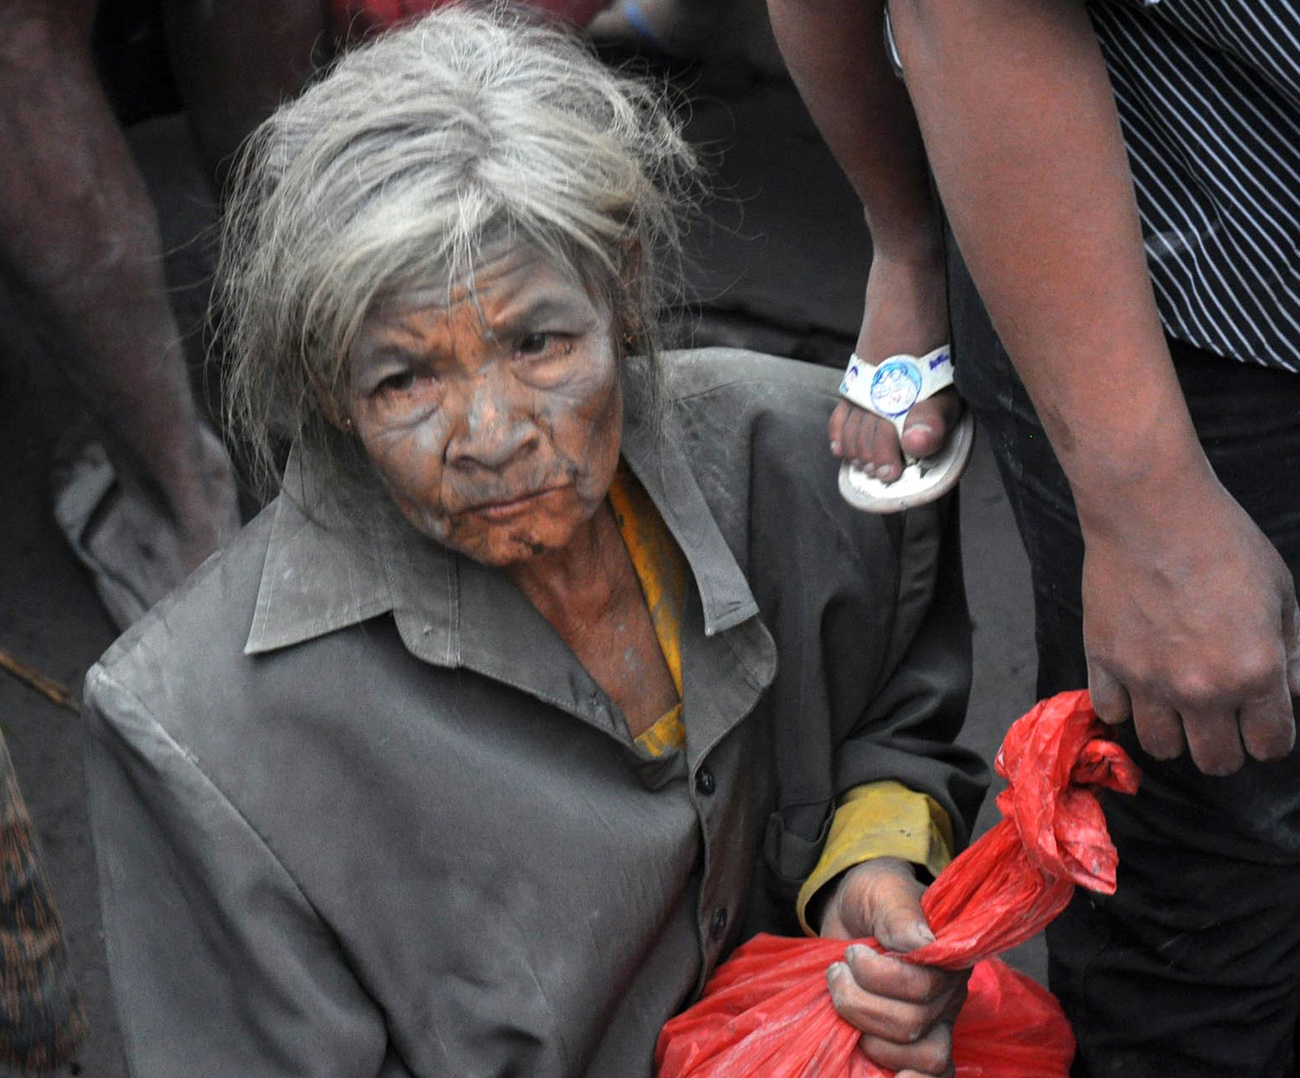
[[396, 383], [534, 344]]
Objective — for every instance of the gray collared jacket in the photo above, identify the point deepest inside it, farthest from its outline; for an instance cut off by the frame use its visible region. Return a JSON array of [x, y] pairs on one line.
[[359, 812]]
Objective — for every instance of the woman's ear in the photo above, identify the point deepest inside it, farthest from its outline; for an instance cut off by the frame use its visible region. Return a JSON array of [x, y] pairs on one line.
[[335, 413], [628, 322], [630, 271], [337, 417]]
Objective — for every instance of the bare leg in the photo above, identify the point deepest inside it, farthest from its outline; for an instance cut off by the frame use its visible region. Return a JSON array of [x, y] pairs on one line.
[[79, 238]]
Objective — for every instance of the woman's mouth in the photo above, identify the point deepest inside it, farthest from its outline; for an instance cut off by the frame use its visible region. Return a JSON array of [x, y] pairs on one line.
[[512, 506]]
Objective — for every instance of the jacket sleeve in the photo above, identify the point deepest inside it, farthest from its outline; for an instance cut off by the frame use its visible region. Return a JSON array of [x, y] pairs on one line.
[[902, 786], [879, 819], [219, 964], [908, 728]]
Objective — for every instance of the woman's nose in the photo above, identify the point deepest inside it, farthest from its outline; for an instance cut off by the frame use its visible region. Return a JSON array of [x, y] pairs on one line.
[[494, 429]]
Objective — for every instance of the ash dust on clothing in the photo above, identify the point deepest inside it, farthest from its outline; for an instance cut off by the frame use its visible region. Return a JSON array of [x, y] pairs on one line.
[[388, 825], [663, 574]]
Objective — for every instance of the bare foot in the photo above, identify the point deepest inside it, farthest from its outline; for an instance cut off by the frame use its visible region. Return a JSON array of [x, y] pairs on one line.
[[905, 311], [136, 549], [862, 436], [207, 512]]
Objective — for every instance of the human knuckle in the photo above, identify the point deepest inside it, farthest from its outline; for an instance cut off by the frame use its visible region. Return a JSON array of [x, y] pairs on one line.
[[1107, 700], [932, 986], [1253, 674], [1161, 746], [937, 1053], [883, 1052], [1261, 674], [852, 1004], [914, 1027], [841, 1002], [1195, 690]]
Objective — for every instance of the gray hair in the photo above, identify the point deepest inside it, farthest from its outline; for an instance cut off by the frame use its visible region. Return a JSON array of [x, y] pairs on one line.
[[469, 128]]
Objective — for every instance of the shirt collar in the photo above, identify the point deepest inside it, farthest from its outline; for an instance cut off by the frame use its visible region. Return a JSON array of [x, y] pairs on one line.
[[331, 566]]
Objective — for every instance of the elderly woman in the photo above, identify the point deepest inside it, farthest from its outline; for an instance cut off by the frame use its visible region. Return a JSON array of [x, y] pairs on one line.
[[555, 669]]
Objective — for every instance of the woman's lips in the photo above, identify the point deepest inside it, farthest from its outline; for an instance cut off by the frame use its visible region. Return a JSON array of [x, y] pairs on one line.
[[510, 507]]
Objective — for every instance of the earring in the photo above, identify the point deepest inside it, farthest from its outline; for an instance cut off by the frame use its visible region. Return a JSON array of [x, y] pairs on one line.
[[348, 427]]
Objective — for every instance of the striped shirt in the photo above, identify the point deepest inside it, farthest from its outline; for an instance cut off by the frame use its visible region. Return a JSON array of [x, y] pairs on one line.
[[1209, 99]]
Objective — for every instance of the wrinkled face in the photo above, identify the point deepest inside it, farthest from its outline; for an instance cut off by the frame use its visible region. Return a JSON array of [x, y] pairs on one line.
[[495, 422]]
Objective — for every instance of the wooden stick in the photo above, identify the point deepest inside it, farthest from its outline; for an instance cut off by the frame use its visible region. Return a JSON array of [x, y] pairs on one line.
[[49, 688]]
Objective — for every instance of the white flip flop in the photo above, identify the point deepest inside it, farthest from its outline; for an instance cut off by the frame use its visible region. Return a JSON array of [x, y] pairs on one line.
[[890, 389], [120, 541]]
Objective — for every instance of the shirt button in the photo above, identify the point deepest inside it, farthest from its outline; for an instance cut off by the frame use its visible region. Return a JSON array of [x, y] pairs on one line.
[[705, 783], [718, 922]]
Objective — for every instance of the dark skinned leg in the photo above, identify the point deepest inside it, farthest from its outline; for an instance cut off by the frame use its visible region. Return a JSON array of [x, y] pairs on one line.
[[79, 241]]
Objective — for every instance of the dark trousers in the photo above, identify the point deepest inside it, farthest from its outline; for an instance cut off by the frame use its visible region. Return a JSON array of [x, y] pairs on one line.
[[1193, 967]]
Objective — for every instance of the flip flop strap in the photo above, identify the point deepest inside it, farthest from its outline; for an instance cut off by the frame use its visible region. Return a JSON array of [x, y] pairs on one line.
[[893, 386]]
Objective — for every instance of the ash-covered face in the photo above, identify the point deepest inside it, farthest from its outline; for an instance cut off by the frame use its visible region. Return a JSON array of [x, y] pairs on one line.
[[495, 422]]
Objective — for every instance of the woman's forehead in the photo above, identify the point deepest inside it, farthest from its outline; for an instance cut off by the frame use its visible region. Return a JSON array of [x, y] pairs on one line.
[[496, 285]]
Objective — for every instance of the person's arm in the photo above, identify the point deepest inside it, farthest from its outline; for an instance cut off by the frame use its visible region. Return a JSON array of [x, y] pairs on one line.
[[220, 965], [897, 759], [882, 835], [1190, 619]]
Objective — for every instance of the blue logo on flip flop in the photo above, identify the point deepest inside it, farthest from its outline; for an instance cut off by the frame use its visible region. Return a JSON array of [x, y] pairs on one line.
[[895, 387], [850, 375]]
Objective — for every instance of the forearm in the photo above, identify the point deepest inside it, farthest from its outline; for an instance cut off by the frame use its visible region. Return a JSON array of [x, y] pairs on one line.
[[1024, 140], [834, 50], [1023, 136]]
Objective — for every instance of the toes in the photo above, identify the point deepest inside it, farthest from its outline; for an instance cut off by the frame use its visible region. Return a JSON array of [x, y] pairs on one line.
[[857, 439], [885, 450], [863, 437], [835, 428], [929, 422]]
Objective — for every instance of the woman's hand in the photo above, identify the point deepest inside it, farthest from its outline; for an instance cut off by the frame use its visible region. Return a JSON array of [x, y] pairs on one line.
[[906, 1012]]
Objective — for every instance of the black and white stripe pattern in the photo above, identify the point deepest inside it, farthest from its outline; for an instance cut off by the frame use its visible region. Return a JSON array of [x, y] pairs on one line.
[[1209, 98]]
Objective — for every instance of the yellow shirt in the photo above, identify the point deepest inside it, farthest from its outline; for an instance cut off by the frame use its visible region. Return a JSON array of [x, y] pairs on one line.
[[877, 819], [661, 568]]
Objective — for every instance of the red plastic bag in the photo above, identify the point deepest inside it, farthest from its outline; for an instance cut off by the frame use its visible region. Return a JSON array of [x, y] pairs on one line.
[[767, 1011]]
